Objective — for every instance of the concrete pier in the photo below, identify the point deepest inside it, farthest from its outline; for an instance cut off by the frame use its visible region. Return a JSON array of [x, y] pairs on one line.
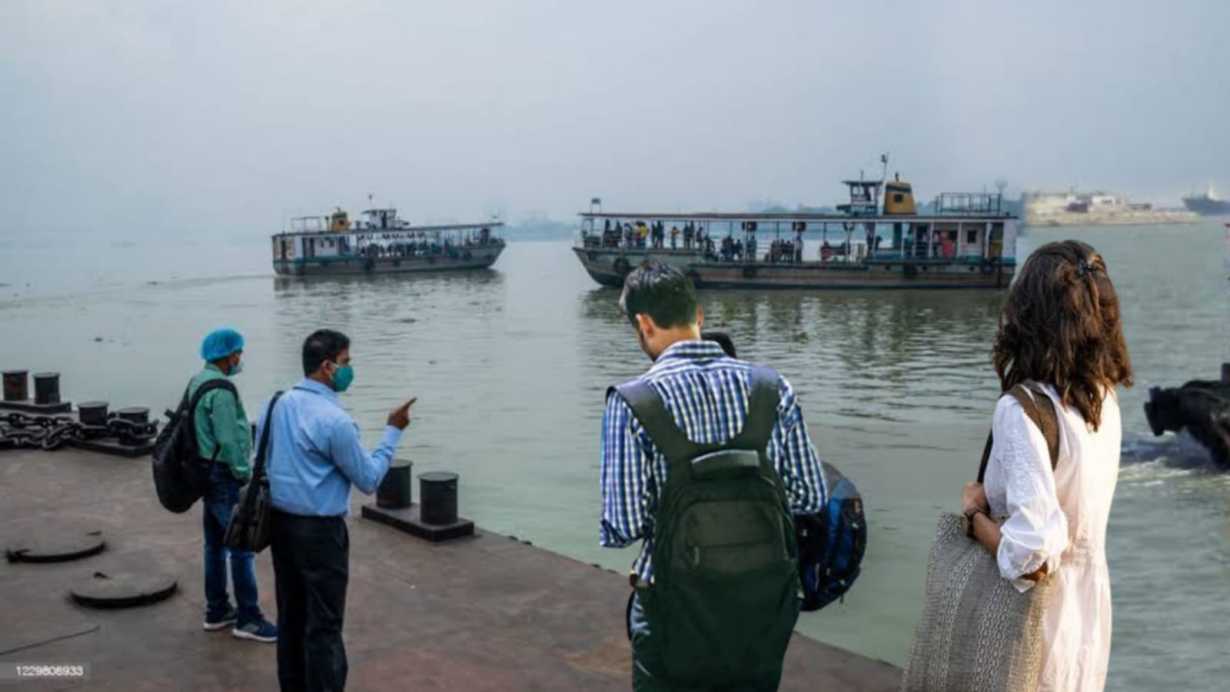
[[480, 613]]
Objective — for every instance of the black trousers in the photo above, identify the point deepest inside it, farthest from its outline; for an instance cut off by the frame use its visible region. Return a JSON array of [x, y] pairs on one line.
[[311, 566]]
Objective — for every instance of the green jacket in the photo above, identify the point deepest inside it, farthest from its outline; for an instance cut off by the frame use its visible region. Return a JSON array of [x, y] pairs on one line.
[[221, 425]]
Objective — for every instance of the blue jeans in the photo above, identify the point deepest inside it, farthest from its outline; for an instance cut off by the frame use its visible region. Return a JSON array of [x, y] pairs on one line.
[[219, 502]]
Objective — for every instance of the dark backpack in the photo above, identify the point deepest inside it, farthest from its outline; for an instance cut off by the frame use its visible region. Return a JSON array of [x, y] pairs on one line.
[[831, 543], [181, 476], [725, 593]]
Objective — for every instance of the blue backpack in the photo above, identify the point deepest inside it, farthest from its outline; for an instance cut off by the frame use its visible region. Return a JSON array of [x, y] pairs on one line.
[[831, 543]]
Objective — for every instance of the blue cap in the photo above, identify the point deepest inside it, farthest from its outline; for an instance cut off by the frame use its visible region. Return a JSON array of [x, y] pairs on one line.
[[221, 343]]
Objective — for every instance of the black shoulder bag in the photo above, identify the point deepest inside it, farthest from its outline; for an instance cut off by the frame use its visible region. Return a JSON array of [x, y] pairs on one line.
[[248, 530]]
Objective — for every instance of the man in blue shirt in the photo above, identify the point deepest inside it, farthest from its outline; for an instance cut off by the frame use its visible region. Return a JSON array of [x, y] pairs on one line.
[[315, 455], [706, 393]]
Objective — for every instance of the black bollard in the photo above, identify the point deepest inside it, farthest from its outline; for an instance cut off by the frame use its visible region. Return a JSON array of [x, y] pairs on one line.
[[438, 490], [92, 413], [134, 414], [46, 388], [16, 385], [1225, 373], [395, 490]]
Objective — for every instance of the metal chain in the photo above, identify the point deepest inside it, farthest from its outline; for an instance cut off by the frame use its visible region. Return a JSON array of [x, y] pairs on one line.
[[19, 430]]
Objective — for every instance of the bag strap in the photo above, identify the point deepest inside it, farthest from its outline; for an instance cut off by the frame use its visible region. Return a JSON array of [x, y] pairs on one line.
[[262, 450], [763, 398], [1039, 408], [650, 411], [206, 387]]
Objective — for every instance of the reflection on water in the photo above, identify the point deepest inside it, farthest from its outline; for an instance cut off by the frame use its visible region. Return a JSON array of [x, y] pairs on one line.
[[510, 366]]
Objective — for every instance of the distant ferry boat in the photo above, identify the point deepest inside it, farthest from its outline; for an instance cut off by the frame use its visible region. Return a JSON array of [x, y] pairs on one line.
[[381, 243], [967, 240], [1208, 203]]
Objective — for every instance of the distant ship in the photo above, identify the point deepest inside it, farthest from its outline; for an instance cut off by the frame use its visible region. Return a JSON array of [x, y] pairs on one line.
[[1208, 204], [381, 243], [965, 240]]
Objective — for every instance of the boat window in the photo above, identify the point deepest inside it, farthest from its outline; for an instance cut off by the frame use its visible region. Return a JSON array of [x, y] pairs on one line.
[[898, 197], [971, 236]]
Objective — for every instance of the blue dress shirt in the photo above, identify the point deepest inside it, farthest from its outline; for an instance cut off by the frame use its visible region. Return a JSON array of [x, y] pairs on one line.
[[315, 453]]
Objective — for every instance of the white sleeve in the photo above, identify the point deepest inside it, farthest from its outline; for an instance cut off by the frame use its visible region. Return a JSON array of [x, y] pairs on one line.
[[1036, 532]]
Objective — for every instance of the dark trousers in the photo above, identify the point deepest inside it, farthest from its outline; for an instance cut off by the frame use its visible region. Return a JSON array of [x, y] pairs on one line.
[[647, 671], [311, 565]]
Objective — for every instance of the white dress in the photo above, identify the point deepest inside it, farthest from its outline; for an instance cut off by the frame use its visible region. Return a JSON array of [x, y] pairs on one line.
[[1059, 519]]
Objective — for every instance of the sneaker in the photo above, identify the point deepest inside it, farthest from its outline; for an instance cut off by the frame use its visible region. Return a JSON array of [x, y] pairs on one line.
[[259, 631], [217, 621]]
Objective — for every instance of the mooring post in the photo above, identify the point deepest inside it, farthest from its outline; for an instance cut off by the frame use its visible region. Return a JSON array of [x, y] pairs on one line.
[[16, 385], [438, 490], [92, 413], [395, 490], [46, 388], [1225, 373]]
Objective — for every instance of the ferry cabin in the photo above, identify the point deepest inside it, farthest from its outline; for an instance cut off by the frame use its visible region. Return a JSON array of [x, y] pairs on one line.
[[966, 240], [380, 242]]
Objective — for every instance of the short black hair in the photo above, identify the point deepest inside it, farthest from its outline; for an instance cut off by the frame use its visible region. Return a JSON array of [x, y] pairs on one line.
[[322, 345], [721, 339], [661, 291]]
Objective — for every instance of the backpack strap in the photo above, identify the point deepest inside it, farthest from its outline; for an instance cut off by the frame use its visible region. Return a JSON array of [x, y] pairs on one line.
[[650, 411], [763, 399], [262, 449], [206, 387], [1039, 408]]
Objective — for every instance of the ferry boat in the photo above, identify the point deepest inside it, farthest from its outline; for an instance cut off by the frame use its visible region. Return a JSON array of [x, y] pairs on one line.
[[380, 242], [965, 240]]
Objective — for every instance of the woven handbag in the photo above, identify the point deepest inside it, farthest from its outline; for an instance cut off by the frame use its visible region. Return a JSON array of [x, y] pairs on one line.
[[977, 632], [249, 528]]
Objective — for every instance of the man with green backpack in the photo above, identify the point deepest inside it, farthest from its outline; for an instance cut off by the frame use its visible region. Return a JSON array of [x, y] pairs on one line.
[[704, 458]]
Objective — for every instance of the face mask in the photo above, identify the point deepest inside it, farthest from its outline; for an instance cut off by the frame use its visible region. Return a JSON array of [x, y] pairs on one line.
[[235, 369], [342, 377]]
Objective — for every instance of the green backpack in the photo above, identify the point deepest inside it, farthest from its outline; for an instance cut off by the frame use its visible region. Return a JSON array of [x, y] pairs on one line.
[[725, 595]]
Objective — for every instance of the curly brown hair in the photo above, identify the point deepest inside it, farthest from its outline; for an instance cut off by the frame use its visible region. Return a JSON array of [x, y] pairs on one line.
[[1061, 325]]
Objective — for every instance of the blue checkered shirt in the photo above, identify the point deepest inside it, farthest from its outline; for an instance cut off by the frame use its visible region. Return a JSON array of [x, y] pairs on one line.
[[707, 394]]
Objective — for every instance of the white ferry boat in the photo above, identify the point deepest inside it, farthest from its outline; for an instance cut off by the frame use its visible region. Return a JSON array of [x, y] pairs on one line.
[[380, 243], [965, 240]]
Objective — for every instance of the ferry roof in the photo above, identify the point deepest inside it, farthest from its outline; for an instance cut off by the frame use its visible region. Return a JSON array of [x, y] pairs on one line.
[[833, 217], [406, 229]]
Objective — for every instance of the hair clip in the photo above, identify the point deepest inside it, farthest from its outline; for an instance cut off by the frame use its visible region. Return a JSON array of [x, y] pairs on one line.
[[1082, 267]]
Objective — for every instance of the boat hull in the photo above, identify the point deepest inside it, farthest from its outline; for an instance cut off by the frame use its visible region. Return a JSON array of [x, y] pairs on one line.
[[606, 267], [478, 258]]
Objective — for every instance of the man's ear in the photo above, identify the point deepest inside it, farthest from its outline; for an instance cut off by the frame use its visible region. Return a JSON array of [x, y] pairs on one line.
[[700, 317], [646, 325]]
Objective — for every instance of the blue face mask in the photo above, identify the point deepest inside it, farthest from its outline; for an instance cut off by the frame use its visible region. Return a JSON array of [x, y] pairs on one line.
[[342, 377], [236, 369]]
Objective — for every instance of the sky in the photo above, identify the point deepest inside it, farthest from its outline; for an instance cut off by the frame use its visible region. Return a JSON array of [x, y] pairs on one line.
[[186, 117]]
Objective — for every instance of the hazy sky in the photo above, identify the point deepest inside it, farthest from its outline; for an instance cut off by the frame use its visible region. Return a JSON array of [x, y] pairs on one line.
[[191, 116]]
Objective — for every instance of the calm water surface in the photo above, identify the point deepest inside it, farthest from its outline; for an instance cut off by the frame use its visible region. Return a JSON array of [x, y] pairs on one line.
[[510, 367]]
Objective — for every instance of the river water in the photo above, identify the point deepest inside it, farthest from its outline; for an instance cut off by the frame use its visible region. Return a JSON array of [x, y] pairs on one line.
[[510, 367]]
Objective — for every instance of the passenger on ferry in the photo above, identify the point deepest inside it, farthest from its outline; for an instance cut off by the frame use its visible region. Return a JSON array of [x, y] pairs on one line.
[[651, 430], [674, 237], [687, 237]]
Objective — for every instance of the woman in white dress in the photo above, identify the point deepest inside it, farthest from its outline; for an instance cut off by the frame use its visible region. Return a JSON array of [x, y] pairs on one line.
[[1061, 329]]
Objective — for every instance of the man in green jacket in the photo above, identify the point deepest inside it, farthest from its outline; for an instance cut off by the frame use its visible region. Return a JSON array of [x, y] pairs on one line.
[[224, 435]]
